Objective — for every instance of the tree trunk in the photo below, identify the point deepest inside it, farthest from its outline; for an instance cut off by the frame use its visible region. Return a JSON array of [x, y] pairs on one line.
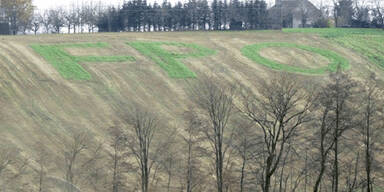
[[219, 168], [367, 151], [115, 182], [242, 174], [335, 180], [169, 175], [319, 177], [267, 182], [306, 171], [324, 154], [189, 168], [282, 171], [336, 150], [41, 179]]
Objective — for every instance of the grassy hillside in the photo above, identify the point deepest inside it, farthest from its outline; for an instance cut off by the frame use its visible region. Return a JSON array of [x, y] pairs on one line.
[[52, 83], [368, 42]]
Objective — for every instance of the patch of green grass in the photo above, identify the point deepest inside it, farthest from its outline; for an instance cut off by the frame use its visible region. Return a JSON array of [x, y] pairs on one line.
[[336, 32], [168, 60], [83, 45], [372, 47], [252, 52], [104, 58], [68, 65], [368, 42], [378, 188]]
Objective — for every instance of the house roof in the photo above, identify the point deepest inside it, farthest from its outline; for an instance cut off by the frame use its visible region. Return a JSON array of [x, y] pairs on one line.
[[291, 6]]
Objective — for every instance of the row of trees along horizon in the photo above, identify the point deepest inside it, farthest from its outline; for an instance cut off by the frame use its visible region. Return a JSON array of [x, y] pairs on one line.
[[286, 137], [138, 15]]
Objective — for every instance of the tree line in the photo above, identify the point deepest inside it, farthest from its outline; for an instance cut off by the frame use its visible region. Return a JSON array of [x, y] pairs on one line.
[[356, 13], [138, 15], [287, 135]]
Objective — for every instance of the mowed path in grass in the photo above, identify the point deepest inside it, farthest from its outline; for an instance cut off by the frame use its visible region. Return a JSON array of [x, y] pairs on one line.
[[39, 102], [368, 42]]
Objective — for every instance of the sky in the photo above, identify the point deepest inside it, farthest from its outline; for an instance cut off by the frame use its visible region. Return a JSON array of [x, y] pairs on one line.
[[46, 4]]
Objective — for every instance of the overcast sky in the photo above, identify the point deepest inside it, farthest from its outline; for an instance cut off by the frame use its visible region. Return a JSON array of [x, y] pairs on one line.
[[45, 4]]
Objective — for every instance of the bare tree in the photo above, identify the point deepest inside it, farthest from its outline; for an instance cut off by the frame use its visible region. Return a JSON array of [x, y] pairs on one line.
[[73, 147], [19, 14], [282, 180], [119, 139], [290, 170], [7, 157], [326, 142], [68, 20], [75, 17], [353, 182], [13, 168], [243, 144], [193, 140], [36, 22], [279, 111], [81, 13], [371, 115], [43, 160], [19, 172], [71, 18], [144, 125], [169, 163], [336, 109], [46, 21], [25, 24], [338, 94], [91, 16], [56, 17], [91, 169], [216, 100], [335, 12], [361, 14], [378, 12]]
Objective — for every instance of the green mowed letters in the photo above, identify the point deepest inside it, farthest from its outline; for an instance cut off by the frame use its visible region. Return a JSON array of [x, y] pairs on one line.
[[170, 61], [252, 52], [69, 65], [70, 68]]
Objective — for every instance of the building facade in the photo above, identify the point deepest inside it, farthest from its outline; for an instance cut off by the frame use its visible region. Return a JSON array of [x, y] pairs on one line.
[[293, 14]]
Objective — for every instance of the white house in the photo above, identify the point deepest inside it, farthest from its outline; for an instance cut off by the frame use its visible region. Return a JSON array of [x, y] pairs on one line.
[[294, 13]]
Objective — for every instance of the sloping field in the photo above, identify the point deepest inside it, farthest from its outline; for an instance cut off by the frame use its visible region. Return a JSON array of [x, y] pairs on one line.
[[368, 42], [51, 83]]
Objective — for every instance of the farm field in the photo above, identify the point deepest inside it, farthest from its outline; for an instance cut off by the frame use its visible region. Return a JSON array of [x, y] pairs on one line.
[[368, 42], [50, 83]]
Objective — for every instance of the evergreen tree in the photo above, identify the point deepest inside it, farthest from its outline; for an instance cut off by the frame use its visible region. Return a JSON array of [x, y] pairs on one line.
[[216, 20], [203, 12], [138, 15]]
